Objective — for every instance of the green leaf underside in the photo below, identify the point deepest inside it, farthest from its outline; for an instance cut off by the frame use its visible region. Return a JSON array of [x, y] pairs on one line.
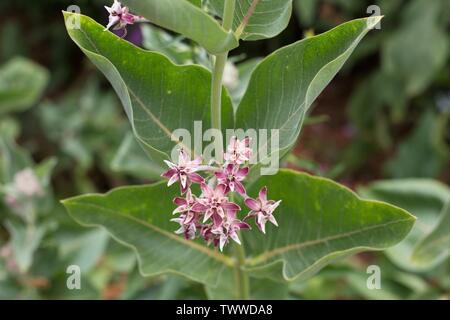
[[157, 95], [186, 18], [267, 18], [426, 199], [139, 217], [285, 84], [319, 221]]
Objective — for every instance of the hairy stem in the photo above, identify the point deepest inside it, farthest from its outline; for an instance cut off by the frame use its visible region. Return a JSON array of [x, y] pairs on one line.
[[219, 66], [242, 279]]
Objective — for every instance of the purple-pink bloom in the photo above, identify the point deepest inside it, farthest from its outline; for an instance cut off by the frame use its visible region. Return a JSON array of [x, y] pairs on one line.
[[238, 151], [231, 176], [188, 226], [229, 229], [120, 16], [215, 204], [184, 171], [262, 209]]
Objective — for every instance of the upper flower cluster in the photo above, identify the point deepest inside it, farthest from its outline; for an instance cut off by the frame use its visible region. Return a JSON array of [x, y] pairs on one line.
[[120, 17], [213, 215]]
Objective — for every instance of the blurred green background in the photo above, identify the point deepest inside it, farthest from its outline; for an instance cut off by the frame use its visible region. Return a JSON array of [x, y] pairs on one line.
[[382, 127]]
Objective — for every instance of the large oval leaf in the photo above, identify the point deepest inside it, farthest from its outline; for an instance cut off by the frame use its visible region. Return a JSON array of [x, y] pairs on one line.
[[139, 217], [319, 220], [186, 18], [285, 84], [158, 96], [259, 19], [426, 199]]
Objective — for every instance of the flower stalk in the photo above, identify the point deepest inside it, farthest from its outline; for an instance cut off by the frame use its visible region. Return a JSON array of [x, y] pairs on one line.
[[219, 66]]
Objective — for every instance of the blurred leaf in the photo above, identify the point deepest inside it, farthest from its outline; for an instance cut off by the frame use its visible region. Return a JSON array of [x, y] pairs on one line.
[[319, 221], [22, 83], [183, 17], [261, 19], [436, 245], [306, 11], [25, 240], [418, 49], [131, 159], [417, 157], [279, 100], [425, 199]]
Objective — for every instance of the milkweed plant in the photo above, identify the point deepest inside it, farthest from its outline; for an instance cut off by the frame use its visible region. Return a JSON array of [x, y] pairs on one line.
[[229, 219]]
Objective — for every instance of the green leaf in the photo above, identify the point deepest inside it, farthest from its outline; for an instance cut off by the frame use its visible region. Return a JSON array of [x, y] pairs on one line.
[[436, 245], [425, 199], [25, 240], [186, 18], [22, 83], [417, 156], [131, 159], [418, 49], [139, 217], [157, 95], [279, 99], [319, 221], [260, 19]]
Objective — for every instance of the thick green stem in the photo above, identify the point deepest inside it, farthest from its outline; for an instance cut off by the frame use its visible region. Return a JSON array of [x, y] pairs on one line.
[[242, 279], [219, 66]]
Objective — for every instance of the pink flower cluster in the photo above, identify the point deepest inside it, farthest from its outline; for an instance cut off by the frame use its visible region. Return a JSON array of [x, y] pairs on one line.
[[212, 215]]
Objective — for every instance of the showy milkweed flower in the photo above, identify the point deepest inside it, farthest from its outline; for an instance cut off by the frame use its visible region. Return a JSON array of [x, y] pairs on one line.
[[184, 171], [238, 151], [262, 209], [120, 17], [232, 176], [213, 215]]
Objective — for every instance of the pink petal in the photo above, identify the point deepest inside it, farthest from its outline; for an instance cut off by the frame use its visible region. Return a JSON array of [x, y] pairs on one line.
[[183, 179], [172, 180], [198, 207], [230, 206], [272, 219], [221, 175], [223, 240], [235, 237], [242, 172], [263, 194], [180, 201], [252, 204], [240, 188], [243, 225], [220, 189], [194, 177]]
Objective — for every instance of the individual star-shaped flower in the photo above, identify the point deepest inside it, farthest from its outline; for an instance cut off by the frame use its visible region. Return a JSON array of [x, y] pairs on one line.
[[229, 229], [262, 209], [231, 176], [120, 16], [184, 171], [215, 204], [238, 151]]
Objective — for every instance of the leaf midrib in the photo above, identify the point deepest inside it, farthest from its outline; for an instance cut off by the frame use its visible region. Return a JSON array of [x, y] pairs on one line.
[[221, 258], [262, 258], [140, 103]]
